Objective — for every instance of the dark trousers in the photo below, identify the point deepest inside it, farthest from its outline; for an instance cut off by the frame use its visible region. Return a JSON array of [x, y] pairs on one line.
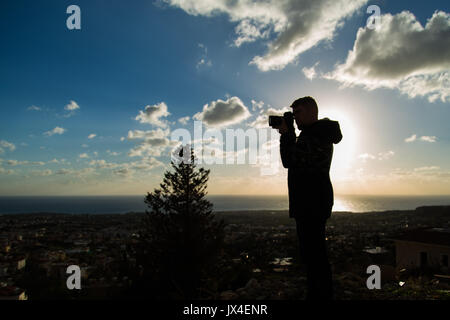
[[313, 253]]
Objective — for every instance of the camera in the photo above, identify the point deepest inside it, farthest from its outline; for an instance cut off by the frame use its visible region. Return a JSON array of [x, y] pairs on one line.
[[276, 121]]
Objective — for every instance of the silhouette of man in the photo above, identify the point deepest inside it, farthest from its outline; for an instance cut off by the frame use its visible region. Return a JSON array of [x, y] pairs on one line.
[[308, 159]]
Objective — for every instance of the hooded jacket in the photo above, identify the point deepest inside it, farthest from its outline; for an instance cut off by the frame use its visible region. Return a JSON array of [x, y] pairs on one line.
[[308, 160]]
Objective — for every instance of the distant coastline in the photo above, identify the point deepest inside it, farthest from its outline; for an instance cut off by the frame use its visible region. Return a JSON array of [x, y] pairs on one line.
[[124, 204]]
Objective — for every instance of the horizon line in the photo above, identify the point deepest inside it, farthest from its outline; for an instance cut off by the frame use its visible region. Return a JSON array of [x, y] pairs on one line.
[[236, 195]]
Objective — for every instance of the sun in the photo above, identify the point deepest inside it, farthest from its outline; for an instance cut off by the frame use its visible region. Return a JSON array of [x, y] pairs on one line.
[[344, 151]]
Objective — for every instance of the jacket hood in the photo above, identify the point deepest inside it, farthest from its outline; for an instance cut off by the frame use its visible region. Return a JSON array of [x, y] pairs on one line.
[[326, 129]]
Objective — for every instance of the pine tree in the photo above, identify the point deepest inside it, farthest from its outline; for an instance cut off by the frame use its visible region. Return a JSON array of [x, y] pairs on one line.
[[181, 236]]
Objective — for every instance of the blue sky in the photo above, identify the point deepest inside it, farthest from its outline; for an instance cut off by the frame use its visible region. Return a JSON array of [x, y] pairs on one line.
[[184, 54]]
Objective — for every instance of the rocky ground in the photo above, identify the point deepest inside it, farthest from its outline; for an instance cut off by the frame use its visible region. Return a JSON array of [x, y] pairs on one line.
[[348, 234], [347, 286]]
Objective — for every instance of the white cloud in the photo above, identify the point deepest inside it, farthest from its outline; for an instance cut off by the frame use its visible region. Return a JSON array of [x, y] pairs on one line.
[[83, 172], [129, 167], [257, 105], [92, 136], [381, 156], [34, 108], [385, 155], [401, 54], [7, 145], [149, 134], [42, 173], [277, 112], [153, 142], [151, 147], [123, 172], [310, 73], [222, 113], [83, 156], [12, 162], [298, 25], [71, 109], [184, 120], [422, 138], [411, 139], [429, 168], [426, 173], [25, 162], [101, 164], [76, 173], [63, 171], [264, 158], [249, 31], [428, 138], [112, 153], [204, 58], [56, 130], [153, 114], [145, 164], [72, 106], [435, 86], [262, 120], [366, 156], [216, 154]]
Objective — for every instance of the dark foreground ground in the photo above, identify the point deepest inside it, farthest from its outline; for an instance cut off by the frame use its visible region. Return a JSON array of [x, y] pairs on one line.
[[348, 235], [262, 246]]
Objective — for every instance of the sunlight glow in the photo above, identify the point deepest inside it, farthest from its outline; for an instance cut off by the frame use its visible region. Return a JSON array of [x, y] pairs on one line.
[[344, 152]]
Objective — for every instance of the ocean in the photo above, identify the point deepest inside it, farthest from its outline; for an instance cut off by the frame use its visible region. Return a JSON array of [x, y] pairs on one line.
[[124, 204]]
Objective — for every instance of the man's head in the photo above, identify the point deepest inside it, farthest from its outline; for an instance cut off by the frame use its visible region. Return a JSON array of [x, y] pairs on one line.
[[305, 111]]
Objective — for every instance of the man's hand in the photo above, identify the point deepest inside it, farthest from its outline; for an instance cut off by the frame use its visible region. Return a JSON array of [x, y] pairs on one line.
[[283, 128]]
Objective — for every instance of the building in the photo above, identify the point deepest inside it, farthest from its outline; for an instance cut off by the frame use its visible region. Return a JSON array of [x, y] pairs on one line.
[[5, 247], [4, 269], [423, 248], [12, 293], [21, 263]]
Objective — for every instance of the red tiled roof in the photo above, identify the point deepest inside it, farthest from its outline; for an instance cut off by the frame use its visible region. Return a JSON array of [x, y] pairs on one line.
[[10, 291]]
